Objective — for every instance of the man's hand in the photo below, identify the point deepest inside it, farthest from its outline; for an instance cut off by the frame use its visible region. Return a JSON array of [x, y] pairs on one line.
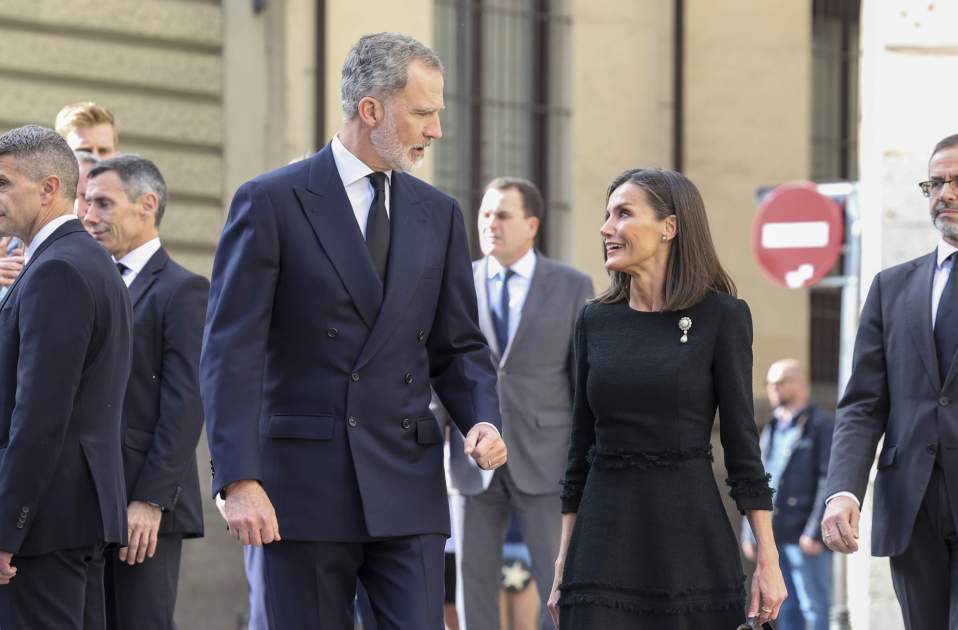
[[485, 445], [748, 550], [10, 266], [7, 570], [810, 546], [143, 528], [249, 514], [840, 525]]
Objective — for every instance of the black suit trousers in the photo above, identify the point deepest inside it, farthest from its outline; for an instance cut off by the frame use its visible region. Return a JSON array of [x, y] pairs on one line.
[[313, 584], [62, 590], [925, 576], [143, 596]]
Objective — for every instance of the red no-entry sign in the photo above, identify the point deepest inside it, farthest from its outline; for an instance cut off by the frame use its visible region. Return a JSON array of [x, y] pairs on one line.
[[797, 235]]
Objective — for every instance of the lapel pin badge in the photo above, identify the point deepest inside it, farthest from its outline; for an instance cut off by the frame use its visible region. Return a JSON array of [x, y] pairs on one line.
[[685, 324]]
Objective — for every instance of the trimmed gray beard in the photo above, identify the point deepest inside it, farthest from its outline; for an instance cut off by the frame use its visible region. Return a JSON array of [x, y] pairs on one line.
[[947, 228], [385, 139]]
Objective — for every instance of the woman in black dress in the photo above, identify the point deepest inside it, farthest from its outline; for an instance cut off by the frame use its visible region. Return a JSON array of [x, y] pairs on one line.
[[646, 542]]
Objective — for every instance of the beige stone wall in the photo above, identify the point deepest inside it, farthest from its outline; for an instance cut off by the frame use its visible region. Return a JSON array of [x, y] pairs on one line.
[[747, 125], [156, 65], [621, 109]]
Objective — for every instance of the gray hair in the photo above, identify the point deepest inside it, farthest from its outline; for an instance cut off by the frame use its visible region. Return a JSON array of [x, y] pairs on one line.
[[138, 175], [378, 66], [41, 152], [85, 157]]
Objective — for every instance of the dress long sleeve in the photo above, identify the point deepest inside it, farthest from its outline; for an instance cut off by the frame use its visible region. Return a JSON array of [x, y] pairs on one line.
[[732, 378], [583, 424]]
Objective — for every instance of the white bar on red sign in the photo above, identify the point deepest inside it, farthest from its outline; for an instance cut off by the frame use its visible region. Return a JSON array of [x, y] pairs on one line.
[[795, 235]]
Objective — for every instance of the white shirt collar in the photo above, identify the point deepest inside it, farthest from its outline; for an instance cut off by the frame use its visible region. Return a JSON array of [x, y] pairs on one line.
[[351, 168], [45, 233], [137, 259], [524, 267], [945, 249]]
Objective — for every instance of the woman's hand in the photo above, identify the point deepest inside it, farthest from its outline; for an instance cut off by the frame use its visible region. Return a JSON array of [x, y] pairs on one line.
[[553, 603], [768, 589]]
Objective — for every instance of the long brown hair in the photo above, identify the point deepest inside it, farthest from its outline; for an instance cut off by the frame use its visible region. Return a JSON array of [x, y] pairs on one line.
[[693, 269]]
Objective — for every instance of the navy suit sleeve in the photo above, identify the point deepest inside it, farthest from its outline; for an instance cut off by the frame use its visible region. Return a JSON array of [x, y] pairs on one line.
[[181, 411], [233, 359], [57, 314], [459, 362], [863, 409], [823, 447]]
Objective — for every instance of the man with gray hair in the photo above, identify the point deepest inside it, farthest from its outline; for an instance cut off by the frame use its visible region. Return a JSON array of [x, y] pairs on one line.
[[162, 412], [65, 329], [342, 289]]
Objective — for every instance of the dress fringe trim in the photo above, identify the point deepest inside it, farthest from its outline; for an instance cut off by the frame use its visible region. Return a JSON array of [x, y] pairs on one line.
[[651, 601]]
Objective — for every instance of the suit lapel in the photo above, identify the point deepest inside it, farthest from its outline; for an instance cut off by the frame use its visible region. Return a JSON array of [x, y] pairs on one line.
[[538, 291], [330, 214], [918, 307], [145, 279], [67, 228], [407, 220], [480, 273]]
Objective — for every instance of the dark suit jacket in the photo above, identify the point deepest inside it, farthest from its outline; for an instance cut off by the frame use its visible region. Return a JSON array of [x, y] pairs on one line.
[[317, 383], [162, 412], [800, 498], [65, 329], [895, 392]]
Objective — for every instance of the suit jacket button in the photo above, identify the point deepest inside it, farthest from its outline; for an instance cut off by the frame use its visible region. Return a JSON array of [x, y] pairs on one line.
[[405, 423], [408, 378], [19, 525], [331, 333], [792, 502], [421, 335], [944, 401], [932, 448], [353, 421], [25, 509], [355, 377]]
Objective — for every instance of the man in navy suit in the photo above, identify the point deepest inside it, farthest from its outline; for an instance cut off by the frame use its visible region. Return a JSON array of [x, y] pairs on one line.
[[341, 290], [65, 330], [796, 444], [162, 412], [903, 392]]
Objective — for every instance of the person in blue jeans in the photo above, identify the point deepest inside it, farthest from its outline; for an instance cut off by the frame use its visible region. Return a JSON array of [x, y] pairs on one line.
[[796, 444]]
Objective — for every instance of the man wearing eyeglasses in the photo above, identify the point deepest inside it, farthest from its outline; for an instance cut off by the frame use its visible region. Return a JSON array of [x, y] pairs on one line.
[[904, 388]]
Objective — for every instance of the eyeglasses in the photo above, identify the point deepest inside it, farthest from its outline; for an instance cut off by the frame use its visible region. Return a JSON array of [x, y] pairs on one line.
[[935, 185]]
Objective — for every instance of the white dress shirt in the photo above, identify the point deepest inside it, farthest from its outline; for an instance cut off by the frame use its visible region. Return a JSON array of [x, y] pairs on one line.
[[137, 259], [942, 273], [45, 233], [518, 288], [359, 189]]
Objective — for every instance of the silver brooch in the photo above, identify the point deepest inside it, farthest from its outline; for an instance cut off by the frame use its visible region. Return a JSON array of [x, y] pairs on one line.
[[684, 325]]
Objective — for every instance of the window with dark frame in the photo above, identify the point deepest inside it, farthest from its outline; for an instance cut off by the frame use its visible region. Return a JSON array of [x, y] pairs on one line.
[[834, 155], [507, 102]]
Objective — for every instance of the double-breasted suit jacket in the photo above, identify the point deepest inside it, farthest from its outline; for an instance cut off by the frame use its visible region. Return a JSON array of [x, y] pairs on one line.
[[316, 378]]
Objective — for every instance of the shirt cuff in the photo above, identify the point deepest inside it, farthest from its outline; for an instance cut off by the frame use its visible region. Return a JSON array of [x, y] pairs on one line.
[[844, 494], [491, 425]]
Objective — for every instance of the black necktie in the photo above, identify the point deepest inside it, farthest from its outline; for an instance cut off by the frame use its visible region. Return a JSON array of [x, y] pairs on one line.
[[946, 322], [501, 322], [121, 268], [377, 225]]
